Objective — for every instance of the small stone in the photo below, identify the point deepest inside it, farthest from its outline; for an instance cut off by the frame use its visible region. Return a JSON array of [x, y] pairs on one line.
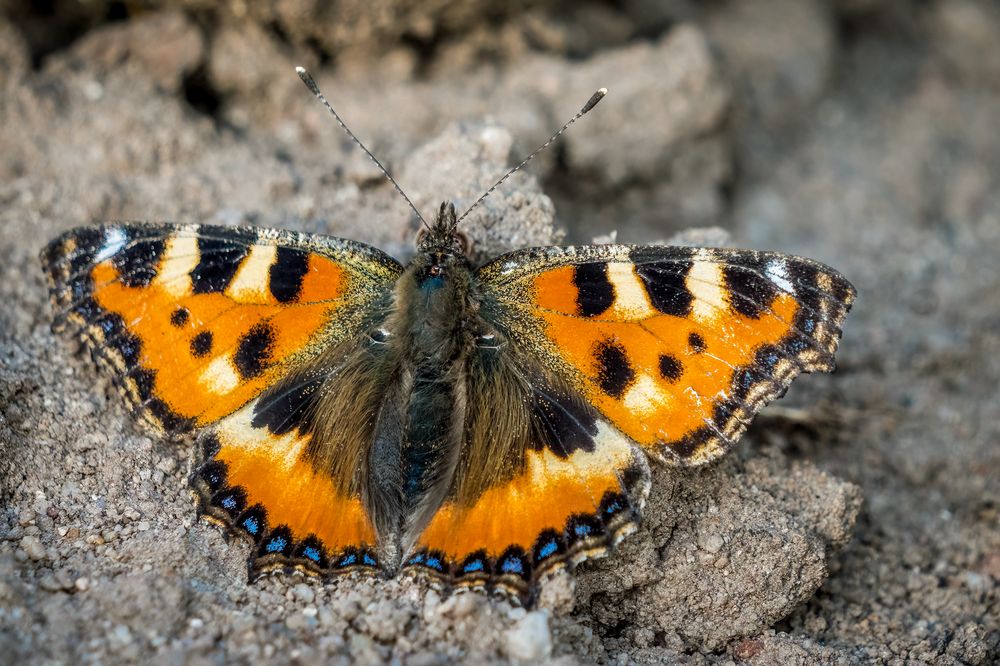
[[49, 583], [33, 548], [81, 584], [713, 543], [298, 622], [464, 604], [304, 593], [530, 639]]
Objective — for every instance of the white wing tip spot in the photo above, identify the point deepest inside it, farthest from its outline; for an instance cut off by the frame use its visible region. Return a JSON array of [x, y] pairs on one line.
[[114, 241], [777, 272]]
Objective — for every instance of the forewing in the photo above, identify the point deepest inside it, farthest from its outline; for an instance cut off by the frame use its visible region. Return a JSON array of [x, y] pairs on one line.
[[677, 347], [194, 321]]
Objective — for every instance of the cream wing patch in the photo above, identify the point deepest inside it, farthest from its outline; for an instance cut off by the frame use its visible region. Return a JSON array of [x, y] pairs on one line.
[[180, 258], [631, 301], [250, 284], [220, 376], [237, 432], [706, 283]]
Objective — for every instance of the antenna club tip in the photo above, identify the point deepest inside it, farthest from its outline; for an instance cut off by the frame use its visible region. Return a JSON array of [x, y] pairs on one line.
[[594, 99]]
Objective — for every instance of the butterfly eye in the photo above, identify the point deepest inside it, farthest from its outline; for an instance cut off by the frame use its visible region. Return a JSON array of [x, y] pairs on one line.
[[464, 242], [379, 336]]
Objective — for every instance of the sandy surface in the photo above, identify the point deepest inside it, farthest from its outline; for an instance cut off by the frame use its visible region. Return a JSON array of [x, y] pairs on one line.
[[858, 522]]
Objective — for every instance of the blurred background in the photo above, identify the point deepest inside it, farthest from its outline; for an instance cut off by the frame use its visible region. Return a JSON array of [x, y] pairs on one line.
[[863, 133]]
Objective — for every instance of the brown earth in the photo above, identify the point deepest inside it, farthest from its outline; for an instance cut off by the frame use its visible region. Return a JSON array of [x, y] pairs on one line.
[[859, 132]]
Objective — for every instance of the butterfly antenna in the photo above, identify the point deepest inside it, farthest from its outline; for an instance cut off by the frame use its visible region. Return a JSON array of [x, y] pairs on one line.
[[311, 84], [591, 103]]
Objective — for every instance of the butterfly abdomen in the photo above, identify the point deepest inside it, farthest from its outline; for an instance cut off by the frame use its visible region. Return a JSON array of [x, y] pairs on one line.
[[418, 437]]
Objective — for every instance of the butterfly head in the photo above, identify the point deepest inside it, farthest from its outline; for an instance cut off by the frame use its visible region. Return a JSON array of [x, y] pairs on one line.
[[443, 235]]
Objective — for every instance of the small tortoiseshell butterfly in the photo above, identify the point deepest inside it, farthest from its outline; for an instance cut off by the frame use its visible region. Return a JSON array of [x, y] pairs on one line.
[[486, 425]]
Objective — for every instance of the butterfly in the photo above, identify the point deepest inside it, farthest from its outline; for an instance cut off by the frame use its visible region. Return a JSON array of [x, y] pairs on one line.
[[483, 425]]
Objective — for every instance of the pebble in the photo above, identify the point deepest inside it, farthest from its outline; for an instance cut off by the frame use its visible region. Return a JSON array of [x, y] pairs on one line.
[[530, 639], [33, 548], [81, 584], [299, 621], [304, 593], [49, 583], [713, 543]]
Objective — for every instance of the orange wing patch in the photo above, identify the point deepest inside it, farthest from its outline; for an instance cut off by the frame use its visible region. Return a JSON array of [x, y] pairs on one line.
[[263, 484], [195, 322], [677, 347], [559, 510]]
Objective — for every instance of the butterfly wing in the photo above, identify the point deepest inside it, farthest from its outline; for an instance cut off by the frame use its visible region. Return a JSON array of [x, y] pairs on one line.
[[678, 347], [619, 352], [216, 328]]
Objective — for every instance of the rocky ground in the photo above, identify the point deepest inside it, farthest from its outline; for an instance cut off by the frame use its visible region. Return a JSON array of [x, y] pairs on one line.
[[859, 521]]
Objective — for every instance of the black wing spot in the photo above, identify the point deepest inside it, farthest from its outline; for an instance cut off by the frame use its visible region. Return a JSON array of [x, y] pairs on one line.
[[286, 274], [254, 521], [563, 427], [111, 324], [231, 500], [145, 382], [686, 446], [671, 368], [612, 505], [168, 418], [87, 242], [279, 542], [696, 343], [548, 545], [138, 261], [475, 564], [286, 407], [581, 527], [513, 562], [179, 317], [595, 293], [214, 474], [218, 261], [614, 372], [666, 285], [128, 345], [253, 352], [750, 293], [201, 344], [312, 549]]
